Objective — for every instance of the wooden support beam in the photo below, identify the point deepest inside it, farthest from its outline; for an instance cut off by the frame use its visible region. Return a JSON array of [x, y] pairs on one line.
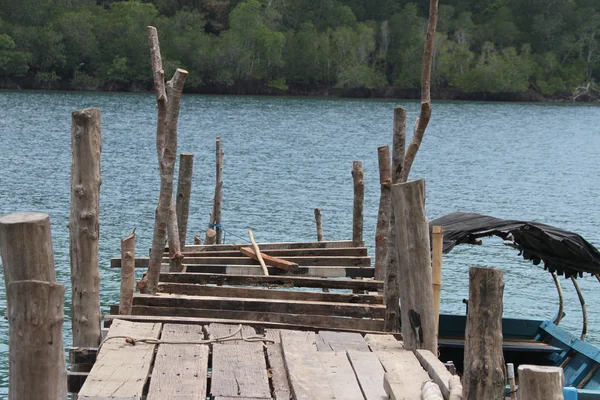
[[437, 246], [383, 216], [127, 273], [83, 355], [541, 382], [326, 272], [319, 225], [184, 191], [270, 260], [326, 244], [484, 360], [216, 213], [342, 252], [436, 370], [75, 381], [359, 201], [414, 260]]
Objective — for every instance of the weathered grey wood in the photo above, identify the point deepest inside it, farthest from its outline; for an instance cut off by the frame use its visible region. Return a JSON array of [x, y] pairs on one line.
[[261, 258], [127, 273], [279, 378], [340, 341], [180, 370], [431, 391], [216, 213], [175, 256], [437, 238], [319, 223], [284, 253], [82, 355], [383, 343], [257, 254], [436, 370], [184, 191], [121, 370], [383, 216], [484, 360], [238, 368], [359, 201], [84, 227], [392, 280], [541, 382], [414, 260], [326, 244], [456, 389], [369, 373], [340, 375], [36, 350], [325, 272], [210, 237]]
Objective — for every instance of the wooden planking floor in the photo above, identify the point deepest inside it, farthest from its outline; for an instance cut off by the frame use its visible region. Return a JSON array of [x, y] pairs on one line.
[[288, 364]]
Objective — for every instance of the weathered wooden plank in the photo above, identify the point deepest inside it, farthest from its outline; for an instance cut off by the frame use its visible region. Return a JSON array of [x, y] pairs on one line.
[[75, 381], [340, 375], [383, 342], [261, 280], [180, 370], [251, 293], [269, 260], [121, 370], [262, 305], [341, 341], [279, 378], [325, 272], [82, 355], [275, 245], [369, 373], [239, 368], [283, 253], [290, 263], [436, 370]]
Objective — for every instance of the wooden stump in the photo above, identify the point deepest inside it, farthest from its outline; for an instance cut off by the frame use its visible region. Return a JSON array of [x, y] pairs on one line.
[[383, 216], [84, 228], [127, 274], [319, 225], [359, 201], [210, 237], [184, 191], [484, 361], [36, 349], [414, 259], [541, 383]]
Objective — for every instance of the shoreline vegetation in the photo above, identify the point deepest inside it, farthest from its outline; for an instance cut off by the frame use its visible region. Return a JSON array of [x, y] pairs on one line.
[[493, 50]]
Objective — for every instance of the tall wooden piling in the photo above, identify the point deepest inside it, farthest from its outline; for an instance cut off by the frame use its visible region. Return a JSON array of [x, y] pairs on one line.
[[36, 349], [216, 214], [414, 261], [541, 383], [184, 191], [484, 361], [127, 274], [383, 216], [359, 201], [84, 227], [319, 225], [437, 245]]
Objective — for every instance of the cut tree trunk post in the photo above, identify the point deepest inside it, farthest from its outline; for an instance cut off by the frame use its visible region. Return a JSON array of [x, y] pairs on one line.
[[184, 191], [127, 274], [319, 225], [216, 214], [36, 349], [541, 383], [84, 227], [392, 284], [210, 237], [359, 202], [436, 262], [175, 255], [413, 253], [383, 217], [258, 255], [484, 361]]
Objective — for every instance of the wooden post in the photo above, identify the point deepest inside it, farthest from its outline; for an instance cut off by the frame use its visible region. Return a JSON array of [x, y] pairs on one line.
[[392, 284], [414, 260], [184, 191], [359, 201], [319, 225], [541, 383], [216, 214], [436, 262], [210, 237], [510, 370], [84, 227], [36, 349], [484, 361], [127, 274], [383, 216]]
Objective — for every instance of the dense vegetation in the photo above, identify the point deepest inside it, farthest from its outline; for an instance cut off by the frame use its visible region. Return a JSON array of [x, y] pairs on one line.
[[485, 46]]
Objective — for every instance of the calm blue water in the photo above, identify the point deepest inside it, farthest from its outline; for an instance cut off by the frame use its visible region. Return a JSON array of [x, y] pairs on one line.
[[286, 156]]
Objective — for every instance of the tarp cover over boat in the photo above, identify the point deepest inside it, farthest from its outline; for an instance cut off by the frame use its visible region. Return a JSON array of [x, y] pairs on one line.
[[562, 251]]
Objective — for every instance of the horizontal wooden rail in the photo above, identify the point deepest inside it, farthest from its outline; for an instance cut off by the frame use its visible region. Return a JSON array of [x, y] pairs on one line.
[[326, 272], [337, 244], [142, 262], [345, 252]]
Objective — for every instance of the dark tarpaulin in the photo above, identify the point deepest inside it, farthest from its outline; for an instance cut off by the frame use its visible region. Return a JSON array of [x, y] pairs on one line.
[[561, 251]]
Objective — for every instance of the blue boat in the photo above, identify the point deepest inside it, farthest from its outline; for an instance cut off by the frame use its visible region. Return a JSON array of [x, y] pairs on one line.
[[528, 341]]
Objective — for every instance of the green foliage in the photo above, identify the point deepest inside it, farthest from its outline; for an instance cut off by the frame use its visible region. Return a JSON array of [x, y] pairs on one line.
[[12, 63]]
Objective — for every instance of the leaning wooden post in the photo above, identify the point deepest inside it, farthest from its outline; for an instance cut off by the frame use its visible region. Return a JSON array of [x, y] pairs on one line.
[[359, 201], [216, 214], [383, 217], [541, 383], [184, 191], [127, 274], [319, 225], [84, 228], [36, 349], [484, 361], [437, 246], [413, 252]]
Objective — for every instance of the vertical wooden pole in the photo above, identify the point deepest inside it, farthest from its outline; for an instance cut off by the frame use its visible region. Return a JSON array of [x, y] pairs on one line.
[[84, 228], [414, 260], [510, 370], [541, 383], [184, 191], [484, 361], [359, 201], [392, 284], [383, 216], [36, 350], [127, 274], [319, 225], [175, 255], [436, 262], [216, 214]]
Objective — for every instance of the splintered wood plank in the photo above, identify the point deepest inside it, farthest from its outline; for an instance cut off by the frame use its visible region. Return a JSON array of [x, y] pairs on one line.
[[121, 370], [341, 341], [369, 373], [239, 368], [180, 370], [279, 378], [340, 375]]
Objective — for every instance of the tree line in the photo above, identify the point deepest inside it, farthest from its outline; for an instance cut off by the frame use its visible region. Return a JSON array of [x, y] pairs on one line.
[[482, 46]]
